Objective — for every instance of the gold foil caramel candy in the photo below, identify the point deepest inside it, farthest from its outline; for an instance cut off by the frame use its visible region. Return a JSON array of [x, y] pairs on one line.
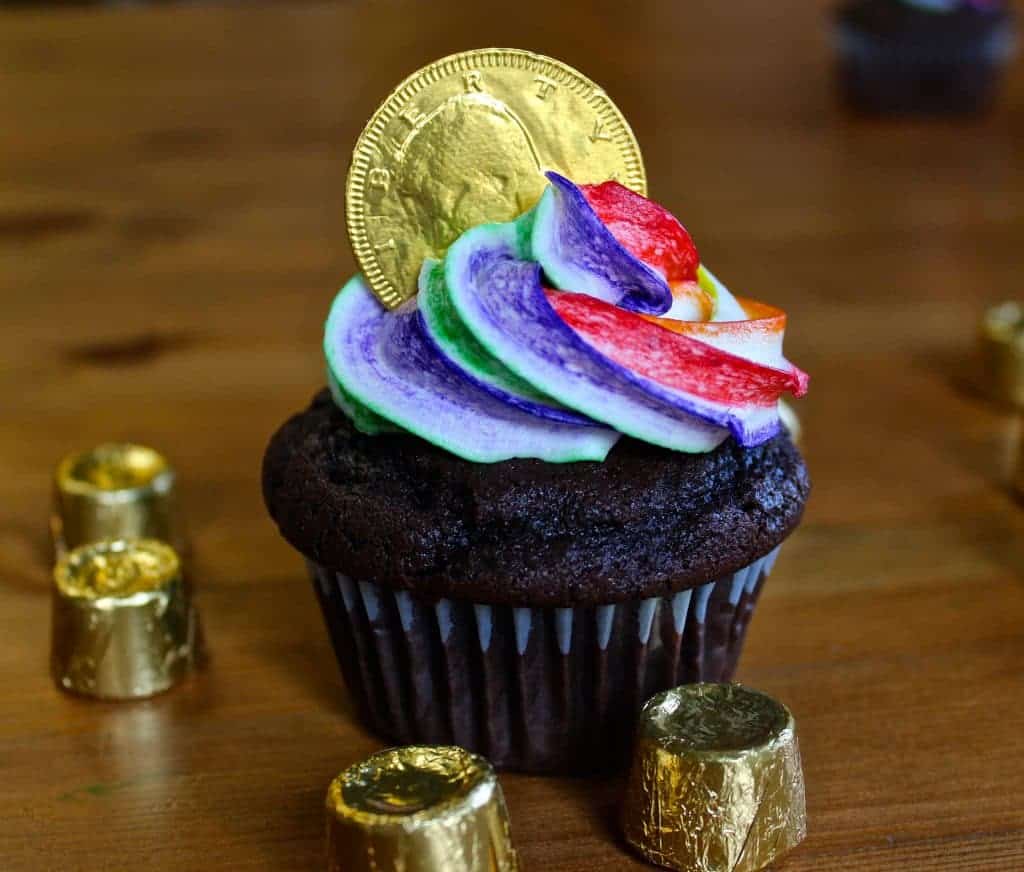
[[465, 141], [1002, 351], [124, 626], [716, 783], [419, 809], [115, 491]]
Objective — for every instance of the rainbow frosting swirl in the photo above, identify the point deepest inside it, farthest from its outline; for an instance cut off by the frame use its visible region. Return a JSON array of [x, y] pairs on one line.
[[586, 318]]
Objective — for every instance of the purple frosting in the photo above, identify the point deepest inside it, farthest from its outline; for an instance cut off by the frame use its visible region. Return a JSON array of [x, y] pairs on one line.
[[500, 298], [581, 254], [385, 361]]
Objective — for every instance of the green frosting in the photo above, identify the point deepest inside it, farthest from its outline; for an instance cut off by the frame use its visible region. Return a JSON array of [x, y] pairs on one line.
[[365, 419], [458, 344]]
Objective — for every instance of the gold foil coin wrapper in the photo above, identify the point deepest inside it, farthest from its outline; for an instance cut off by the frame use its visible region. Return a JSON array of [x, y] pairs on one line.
[[1002, 352], [464, 141], [115, 491], [419, 809], [716, 783], [124, 625]]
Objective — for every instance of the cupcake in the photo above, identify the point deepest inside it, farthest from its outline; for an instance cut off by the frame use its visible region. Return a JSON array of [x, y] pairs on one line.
[[546, 487], [922, 56]]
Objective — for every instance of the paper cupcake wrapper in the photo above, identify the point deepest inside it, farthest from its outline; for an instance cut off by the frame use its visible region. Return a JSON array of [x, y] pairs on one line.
[[534, 689]]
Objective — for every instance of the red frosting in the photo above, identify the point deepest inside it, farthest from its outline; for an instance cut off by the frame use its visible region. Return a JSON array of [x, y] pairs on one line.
[[672, 359], [645, 229]]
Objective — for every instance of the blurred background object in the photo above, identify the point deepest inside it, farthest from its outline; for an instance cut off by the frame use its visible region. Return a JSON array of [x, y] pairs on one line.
[[922, 56], [1002, 353], [1018, 472]]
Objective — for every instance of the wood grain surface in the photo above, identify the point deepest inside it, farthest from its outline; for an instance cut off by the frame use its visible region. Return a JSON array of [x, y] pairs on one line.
[[171, 233]]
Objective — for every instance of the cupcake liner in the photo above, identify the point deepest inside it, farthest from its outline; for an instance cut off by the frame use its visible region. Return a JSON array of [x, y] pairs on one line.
[[533, 689]]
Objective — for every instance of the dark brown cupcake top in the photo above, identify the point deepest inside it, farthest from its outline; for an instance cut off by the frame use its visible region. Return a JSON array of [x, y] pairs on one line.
[[647, 522]]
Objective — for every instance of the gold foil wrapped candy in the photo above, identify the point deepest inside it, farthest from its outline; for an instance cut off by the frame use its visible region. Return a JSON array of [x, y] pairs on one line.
[[419, 809], [716, 784], [124, 626], [1002, 349], [115, 491]]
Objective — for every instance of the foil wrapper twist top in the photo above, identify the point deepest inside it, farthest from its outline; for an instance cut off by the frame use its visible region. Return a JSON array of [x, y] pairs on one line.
[[1002, 350], [716, 783], [419, 809], [124, 626], [115, 491]]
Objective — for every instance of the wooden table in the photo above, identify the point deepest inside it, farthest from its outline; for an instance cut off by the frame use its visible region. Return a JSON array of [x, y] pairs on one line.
[[171, 222]]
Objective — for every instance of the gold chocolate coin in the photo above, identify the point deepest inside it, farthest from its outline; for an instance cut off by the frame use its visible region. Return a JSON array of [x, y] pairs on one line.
[[465, 141]]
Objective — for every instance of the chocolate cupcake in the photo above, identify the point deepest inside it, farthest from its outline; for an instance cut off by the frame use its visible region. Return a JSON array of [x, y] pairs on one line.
[[922, 56], [526, 609], [547, 486]]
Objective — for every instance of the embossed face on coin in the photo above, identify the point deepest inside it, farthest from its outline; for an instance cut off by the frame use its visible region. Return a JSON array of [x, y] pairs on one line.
[[465, 141]]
